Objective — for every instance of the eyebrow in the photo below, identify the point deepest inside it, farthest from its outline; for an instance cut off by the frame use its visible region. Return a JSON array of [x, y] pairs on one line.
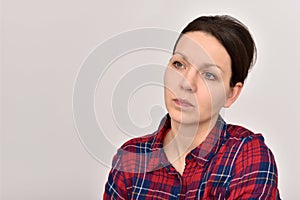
[[205, 65]]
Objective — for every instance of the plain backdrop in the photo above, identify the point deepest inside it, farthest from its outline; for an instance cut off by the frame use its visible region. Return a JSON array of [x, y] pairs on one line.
[[43, 44]]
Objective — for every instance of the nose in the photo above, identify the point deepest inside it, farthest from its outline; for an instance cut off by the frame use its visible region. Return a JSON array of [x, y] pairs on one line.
[[189, 80]]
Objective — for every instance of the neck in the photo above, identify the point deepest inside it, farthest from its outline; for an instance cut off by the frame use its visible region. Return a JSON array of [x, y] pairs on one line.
[[182, 138]]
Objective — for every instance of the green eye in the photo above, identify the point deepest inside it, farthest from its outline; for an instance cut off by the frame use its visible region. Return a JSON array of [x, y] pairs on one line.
[[209, 76], [178, 64]]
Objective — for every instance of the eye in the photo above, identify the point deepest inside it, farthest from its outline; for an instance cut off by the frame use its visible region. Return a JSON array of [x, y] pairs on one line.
[[209, 76], [178, 64]]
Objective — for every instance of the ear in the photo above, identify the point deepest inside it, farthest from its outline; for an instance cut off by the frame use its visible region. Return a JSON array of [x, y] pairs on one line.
[[233, 94]]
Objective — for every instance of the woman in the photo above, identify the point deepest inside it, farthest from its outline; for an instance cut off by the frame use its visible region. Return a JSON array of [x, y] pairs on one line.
[[194, 154]]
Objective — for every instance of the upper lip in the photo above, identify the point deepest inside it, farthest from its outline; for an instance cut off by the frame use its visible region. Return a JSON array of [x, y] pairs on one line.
[[184, 101]]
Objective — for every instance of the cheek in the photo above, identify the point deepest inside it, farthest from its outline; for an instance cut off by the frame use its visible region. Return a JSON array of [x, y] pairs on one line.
[[203, 95], [168, 95], [217, 95], [210, 95], [171, 80]]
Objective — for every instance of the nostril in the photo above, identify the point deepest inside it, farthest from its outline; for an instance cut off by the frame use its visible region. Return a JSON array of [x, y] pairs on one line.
[[187, 87]]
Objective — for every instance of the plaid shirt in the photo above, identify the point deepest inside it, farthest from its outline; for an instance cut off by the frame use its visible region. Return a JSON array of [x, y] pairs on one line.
[[231, 163]]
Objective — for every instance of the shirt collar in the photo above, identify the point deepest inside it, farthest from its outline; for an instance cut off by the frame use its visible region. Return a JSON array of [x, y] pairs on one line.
[[202, 153]]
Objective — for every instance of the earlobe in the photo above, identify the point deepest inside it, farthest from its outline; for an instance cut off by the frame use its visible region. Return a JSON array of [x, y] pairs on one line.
[[233, 94]]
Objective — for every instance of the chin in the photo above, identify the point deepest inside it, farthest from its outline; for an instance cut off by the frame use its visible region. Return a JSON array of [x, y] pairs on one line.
[[184, 117], [189, 117]]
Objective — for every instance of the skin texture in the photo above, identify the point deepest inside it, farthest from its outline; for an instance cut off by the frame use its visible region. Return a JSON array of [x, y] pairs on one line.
[[198, 72]]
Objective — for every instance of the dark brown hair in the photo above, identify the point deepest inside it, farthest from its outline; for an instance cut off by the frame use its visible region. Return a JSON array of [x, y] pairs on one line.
[[234, 36]]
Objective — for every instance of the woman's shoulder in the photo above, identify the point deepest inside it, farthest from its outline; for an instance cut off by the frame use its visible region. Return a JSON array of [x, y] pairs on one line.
[[239, 131], [145, 141], [132, 156], [150, 140], [244, 140], [247, 144], [240, 134]]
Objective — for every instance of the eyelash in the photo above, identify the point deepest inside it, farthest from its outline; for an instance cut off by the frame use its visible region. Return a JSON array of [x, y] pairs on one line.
[[177, 62], [207, 75]]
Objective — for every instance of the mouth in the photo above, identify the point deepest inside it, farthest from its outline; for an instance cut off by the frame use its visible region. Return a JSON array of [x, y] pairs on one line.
[[183, 103]]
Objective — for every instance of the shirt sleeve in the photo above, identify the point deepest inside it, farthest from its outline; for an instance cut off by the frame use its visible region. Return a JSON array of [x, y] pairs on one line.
[[256, 172], [115, 187]]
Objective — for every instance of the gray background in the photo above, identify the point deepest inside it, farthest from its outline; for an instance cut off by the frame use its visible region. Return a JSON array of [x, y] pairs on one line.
[[43, 44]]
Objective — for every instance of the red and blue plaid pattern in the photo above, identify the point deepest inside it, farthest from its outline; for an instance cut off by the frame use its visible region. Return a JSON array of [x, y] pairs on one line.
[[232, 163]]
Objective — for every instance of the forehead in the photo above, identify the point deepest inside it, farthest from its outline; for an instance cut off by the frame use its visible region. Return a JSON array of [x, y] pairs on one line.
[[201, 48]]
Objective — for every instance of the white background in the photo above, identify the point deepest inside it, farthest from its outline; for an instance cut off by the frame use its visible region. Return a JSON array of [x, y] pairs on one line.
[[43, 44]]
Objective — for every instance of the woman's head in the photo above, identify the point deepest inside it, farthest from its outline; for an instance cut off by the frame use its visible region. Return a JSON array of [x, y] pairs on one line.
[[234, 36], [210, 62]]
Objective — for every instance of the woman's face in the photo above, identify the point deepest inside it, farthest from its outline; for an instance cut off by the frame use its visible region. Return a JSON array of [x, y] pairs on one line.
[[197, 79]]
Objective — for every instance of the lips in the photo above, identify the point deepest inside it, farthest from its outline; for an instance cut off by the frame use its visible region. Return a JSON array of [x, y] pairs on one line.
[[183, 103]]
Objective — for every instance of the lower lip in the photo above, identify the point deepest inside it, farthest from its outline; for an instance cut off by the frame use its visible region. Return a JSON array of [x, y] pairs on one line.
[[182, 105]]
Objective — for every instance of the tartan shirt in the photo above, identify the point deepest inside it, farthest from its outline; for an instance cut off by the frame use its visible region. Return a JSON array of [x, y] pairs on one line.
[[231, 163]]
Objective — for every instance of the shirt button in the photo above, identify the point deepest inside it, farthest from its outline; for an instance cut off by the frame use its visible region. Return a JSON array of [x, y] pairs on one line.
[[189, 157]]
